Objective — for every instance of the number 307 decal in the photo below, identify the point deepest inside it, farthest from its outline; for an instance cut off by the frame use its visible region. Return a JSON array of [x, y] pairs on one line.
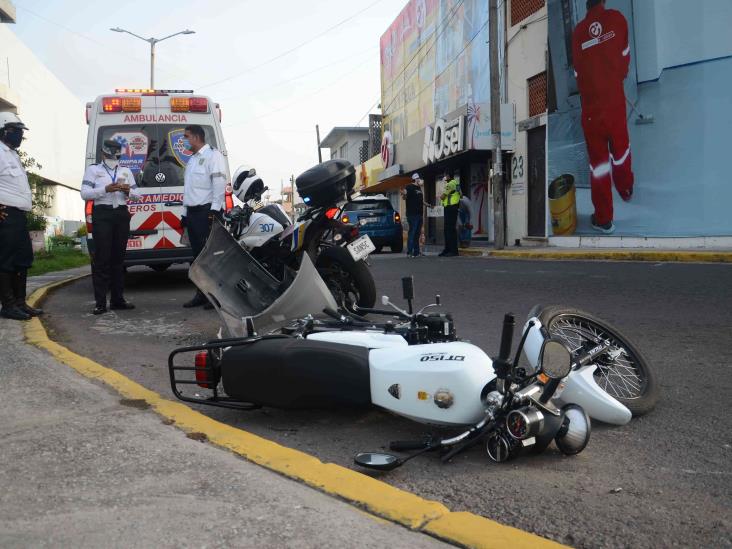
[[266, 227]]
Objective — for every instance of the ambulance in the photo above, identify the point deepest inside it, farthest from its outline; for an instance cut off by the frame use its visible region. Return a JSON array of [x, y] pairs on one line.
[[149, 124]]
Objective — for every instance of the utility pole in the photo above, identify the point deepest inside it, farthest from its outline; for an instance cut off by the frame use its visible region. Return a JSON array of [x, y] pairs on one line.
[[499, 222], [317, 134]]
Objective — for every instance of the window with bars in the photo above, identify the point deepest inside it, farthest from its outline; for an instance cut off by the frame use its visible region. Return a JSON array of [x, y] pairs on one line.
[[537, 93], [521, 9]]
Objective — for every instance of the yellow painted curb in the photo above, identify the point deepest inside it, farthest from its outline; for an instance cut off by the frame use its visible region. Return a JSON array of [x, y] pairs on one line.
[[635, 255], [378, 498]]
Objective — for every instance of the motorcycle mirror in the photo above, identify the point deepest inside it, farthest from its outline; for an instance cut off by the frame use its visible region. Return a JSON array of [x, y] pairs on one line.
[[437, 300], [380, 462], [385, 300], [555, 359]]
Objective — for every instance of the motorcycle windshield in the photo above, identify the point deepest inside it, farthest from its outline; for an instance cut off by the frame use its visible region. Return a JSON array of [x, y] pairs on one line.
[[239, 287]]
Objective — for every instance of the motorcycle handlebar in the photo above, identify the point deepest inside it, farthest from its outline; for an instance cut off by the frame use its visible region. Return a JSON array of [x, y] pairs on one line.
[[509, 323]]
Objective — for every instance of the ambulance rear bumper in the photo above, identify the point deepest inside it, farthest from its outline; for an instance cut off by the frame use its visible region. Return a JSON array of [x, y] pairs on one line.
[[153, 257]]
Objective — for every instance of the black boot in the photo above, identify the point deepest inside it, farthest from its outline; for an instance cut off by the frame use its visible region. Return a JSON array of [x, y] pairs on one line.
[[10, 309], [19, 291], [198, 300]]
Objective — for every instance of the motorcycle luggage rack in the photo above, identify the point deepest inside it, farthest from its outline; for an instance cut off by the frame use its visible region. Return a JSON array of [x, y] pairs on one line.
[[215, 399]]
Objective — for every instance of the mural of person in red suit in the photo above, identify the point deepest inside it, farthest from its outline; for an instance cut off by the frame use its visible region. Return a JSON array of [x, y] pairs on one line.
[[601, 56]]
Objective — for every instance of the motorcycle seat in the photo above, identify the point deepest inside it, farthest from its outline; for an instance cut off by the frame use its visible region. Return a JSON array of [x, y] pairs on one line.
[[297, 373]]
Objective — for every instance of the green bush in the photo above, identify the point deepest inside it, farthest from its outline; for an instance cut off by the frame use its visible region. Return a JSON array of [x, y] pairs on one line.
[[62, 241], [81, 231]]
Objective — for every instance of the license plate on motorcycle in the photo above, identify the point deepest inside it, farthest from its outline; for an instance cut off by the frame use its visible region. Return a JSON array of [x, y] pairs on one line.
[[361, 248], [367, 220]]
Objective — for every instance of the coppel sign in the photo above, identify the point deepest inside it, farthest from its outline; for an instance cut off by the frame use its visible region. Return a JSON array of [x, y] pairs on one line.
[[444, 139]]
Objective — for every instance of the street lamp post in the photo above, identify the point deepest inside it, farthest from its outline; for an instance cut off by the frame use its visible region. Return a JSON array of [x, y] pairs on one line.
[[152, 42]]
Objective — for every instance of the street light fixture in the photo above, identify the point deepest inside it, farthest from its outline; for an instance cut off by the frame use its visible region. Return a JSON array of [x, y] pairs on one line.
[[152, 42]]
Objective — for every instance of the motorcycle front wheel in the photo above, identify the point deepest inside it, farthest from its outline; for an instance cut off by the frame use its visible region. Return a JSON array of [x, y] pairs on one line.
[[350, 282], [622, 371]]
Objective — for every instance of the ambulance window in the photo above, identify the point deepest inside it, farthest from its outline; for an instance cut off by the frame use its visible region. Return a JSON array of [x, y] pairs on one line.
[[156, 154]]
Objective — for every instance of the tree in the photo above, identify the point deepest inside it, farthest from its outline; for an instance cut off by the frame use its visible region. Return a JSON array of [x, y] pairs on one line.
[[41, 192]]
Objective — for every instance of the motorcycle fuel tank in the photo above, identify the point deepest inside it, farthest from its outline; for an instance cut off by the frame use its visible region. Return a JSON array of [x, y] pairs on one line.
[[438, 383]]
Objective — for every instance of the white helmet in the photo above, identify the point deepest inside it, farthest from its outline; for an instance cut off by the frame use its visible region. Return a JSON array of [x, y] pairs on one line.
[[11, 119], [247, 184]]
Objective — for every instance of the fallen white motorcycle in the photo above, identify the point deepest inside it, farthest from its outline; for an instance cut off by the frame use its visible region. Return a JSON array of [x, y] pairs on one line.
[[291, 348]]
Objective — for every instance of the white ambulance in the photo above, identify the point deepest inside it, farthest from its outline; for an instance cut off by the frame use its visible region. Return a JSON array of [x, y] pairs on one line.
[[149, 124]]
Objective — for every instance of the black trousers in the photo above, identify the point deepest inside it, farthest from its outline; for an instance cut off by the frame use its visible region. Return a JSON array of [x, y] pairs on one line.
[[199, 227], [451, 239], [111, 229], [16, 251]]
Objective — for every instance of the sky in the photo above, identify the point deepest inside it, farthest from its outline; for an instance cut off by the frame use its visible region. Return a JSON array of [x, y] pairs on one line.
[[277, 67]]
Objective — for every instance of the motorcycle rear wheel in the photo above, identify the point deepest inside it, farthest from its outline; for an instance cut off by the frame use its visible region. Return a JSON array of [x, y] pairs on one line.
[[622, 372], [350, 282]]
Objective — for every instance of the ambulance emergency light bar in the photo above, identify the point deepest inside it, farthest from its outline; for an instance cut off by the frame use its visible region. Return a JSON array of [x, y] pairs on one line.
[[134, 104], [161, 92]]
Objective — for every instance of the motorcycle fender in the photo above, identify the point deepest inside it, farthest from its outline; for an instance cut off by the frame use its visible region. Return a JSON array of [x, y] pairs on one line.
[[533, 343], [580, 388]]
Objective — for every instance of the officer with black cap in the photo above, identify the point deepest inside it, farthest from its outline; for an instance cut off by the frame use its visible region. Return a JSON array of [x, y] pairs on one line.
[[16, 251], [110, 186]]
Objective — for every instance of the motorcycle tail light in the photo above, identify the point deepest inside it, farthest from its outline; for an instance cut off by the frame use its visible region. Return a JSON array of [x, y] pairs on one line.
[[228, 198], [332, 213], [88, 215], [203, 370], [354, 232]]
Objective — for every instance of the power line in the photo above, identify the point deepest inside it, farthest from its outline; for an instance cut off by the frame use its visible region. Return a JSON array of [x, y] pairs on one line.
[[330, 85], [285, 53], [83, 36], [294, 78], [367, 112]]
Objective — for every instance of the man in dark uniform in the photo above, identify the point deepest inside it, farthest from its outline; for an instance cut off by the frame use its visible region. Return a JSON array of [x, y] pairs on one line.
[[414, 199], [16, 251], [110, 186]]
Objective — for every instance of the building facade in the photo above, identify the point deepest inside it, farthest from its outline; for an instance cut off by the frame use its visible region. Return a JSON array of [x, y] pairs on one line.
[[57, 135], [347, 143]]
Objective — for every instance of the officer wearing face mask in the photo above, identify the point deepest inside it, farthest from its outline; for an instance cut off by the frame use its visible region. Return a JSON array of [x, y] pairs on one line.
[[110, 186], [16, 252]]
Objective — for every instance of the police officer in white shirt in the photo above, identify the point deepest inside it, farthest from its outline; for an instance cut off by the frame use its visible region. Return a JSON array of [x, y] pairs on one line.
[[110, 186], [16, 252], [203, 197]]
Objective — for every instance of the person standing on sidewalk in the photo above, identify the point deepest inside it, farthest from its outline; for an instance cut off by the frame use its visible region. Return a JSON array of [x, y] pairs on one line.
[[414, 198], [203, 197], [465, 211], [601, 54], [450, 202], [16, 250], [110, 186]]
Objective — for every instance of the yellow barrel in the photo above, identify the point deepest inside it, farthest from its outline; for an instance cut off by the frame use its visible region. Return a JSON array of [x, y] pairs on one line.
[[563, 205]]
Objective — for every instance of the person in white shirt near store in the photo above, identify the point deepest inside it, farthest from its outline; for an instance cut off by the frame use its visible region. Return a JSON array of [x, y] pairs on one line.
[[16, 251], [110, 186], [203, 194]]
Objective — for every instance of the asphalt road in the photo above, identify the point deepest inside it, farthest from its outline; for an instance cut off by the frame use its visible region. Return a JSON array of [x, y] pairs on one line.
[[663, 480]]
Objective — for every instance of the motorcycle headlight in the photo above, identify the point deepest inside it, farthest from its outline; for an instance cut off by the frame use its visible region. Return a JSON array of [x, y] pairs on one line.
[[574, 434], [524, 423]]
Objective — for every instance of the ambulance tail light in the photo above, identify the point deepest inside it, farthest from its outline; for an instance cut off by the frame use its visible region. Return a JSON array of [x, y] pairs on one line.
[[228, 198], [88, 215], [198, 104], [203, 370], [112, 104], [188, 104], [131, 104]]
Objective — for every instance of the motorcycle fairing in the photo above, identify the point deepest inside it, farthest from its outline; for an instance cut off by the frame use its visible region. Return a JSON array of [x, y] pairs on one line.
[[239, 287], [581, 388], [298, 235]]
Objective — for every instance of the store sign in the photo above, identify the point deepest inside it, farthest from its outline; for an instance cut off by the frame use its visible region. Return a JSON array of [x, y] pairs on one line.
[[443, 140]]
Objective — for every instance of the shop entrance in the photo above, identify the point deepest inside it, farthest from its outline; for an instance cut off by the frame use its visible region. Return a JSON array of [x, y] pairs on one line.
[[537, 182]]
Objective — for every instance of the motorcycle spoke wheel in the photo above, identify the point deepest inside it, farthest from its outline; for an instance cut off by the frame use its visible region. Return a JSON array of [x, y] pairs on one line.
[[622, 371], [617, 373]]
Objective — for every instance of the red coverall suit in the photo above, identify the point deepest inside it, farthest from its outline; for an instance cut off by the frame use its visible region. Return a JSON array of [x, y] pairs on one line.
[[601, 55]]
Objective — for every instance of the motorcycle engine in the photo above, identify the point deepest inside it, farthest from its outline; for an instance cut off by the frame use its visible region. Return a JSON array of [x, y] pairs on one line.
[[440, 326]]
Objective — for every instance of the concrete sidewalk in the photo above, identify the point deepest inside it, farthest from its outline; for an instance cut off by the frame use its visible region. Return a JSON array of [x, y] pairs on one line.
[[82, 467]]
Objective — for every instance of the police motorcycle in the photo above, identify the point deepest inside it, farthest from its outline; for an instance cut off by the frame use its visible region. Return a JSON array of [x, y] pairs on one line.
[[278, 244], [289, 346]]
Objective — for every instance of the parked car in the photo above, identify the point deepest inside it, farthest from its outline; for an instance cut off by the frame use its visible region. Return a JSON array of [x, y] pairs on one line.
[[375, 216]]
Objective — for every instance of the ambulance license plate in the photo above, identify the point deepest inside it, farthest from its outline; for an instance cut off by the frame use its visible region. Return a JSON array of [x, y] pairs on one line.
[[361, 248]]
